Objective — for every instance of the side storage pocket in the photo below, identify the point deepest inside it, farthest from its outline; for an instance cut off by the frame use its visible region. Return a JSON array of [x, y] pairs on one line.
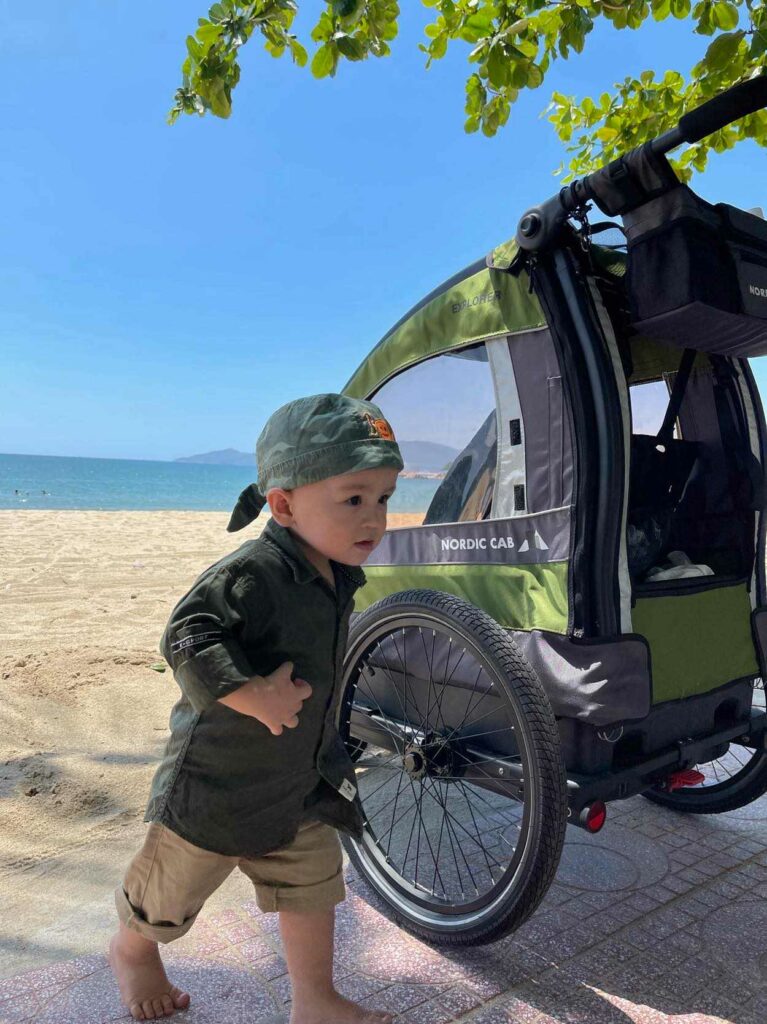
[[601, 682]]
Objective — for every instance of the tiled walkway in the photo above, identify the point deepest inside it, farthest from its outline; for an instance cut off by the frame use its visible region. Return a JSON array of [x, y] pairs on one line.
[[660, 918]]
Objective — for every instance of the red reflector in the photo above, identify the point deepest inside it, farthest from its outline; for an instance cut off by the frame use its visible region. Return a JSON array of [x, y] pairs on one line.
[[596, 816], [682, 779]]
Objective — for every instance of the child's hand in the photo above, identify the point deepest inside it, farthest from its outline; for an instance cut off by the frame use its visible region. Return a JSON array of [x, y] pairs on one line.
[[275, 700]]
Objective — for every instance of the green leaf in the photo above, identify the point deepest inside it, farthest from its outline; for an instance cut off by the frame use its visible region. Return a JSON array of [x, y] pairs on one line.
[[722, 50], [324, 61], [349, 46], [725, 16], [498, 67], [297, 51], [158, 666], [534, 76], [208, 33], [476, 27], [348, 9], [218, 97]]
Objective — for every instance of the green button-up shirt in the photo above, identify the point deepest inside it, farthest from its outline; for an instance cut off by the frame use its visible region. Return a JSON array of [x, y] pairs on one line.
[[226, 783]]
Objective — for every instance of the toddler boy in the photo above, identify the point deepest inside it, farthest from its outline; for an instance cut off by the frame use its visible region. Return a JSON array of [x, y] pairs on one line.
[[255, 774]]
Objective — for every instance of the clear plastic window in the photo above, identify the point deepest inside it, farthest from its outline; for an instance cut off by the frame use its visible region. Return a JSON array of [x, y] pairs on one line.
[[443, 413], [649, 403]]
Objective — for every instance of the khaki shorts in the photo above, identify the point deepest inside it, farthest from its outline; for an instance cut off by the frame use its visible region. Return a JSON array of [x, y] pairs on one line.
[[169, 879]]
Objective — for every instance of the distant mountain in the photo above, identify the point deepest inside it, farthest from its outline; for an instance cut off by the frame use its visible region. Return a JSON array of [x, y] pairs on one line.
[[227, 457], [419, 456], [426, 456]]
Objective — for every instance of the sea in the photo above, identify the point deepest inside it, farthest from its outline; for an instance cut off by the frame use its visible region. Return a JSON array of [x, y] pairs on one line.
[[58, 482]]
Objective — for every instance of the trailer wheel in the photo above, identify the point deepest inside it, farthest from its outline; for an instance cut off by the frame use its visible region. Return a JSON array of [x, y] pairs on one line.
[[736, 778], [461, 781]]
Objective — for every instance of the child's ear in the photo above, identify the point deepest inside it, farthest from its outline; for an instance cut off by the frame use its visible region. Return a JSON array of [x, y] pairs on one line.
[[280, 505]]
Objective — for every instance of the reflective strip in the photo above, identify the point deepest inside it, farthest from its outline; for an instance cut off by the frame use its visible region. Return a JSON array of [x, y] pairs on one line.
[[194, 640], [510, 467], [522, 540], [624, 579]]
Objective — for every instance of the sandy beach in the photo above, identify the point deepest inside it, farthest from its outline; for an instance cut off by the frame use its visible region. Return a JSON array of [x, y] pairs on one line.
[[84, 597]]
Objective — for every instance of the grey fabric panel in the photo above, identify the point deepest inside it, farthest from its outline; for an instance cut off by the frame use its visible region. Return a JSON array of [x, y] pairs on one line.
[[521, 540], [759, 621], [600, 683], [557, 427], [510, 466], [549, 481]]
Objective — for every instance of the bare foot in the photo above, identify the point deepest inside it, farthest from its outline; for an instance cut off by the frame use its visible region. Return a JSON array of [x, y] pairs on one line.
[[335, 1009], [141, 978]]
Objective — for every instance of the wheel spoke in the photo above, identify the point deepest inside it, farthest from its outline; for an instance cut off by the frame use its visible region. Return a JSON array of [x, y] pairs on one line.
[[461, 826], [391, 833], [450, 819]]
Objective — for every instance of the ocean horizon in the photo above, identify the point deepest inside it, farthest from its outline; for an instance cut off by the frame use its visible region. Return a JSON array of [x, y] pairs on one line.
[[60, 482]]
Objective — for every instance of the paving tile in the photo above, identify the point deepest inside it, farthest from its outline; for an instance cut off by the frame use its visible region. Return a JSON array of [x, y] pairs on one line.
[[432, 1012], [599, 900], [61, 975], [757, 1007], [239, 931], [676, 884], [673, 839], [401, 998], [685, 855], [692, 874], [360, 986], [516, 1011], [710, 867], [255, 949], [271, 967]]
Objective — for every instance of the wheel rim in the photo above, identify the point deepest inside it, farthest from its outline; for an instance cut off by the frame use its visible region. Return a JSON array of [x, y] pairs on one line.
[[436, 841]]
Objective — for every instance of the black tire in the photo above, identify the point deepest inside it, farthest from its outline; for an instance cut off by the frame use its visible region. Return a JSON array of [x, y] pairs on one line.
[[424, 738], [733, 780]]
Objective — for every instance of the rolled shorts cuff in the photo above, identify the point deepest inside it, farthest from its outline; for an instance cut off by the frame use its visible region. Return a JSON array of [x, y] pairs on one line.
[[303, 898], [132, 918]]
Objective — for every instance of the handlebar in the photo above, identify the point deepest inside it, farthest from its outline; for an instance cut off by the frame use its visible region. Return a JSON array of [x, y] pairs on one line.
[[539, 225]]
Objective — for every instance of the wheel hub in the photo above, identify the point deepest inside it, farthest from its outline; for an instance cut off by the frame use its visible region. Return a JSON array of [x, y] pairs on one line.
[[431, 757]]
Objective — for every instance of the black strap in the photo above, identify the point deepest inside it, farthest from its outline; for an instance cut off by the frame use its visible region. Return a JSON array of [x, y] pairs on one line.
[[666, 432]]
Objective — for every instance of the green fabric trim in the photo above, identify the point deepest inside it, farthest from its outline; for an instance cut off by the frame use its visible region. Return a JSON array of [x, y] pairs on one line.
[[697, 641], [517, 596], [486, 304]]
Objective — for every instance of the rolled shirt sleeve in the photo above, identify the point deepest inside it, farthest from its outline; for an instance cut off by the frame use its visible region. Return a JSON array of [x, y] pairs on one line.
[[201, 643]]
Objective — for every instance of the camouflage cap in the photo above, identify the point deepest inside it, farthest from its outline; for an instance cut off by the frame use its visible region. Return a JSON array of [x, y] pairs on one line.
[[311, 439]]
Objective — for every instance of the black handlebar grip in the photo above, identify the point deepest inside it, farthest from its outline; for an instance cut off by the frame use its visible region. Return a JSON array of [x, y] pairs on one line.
[[731, 105]]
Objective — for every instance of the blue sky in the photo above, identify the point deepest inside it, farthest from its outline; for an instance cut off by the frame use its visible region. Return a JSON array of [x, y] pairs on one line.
[[163, 289]]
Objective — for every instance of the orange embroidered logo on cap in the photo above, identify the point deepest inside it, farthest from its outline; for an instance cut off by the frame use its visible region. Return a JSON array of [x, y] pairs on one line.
[[380, 428]]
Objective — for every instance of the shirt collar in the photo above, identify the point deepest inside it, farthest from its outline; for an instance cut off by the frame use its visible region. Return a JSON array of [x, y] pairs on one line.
[[303, 569]]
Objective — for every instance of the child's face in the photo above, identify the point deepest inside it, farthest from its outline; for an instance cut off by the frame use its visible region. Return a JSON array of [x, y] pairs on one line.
[[342, 517]]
